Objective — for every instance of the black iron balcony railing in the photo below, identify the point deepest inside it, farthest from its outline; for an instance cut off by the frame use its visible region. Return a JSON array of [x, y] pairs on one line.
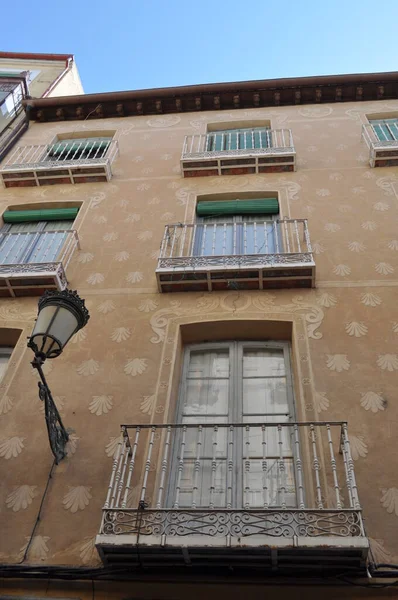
[[234, 489]]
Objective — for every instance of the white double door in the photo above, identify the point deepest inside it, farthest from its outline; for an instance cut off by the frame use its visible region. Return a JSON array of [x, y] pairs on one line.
[[249, 464]]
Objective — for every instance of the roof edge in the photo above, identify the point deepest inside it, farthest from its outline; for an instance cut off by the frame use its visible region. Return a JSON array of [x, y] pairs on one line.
[[36, 56]]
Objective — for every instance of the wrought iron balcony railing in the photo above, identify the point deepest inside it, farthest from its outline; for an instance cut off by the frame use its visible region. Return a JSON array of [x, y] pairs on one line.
[[31, 262], [234, 493], [236, 153], [382, 143], [50, 164], [244, 255]]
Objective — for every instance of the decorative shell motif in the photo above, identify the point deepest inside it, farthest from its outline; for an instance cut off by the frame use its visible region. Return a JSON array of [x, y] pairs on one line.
[[95, 278], [85, 257], [145, 235], [79, 337], [167, 217], [345, 208], [318, 248], [120, 334], [147, 404], [321, 402], [323, 192], [395, 327], [154, 201], [369, 225], [88, 552], [136, 366], [11, 447], [356, 247], [77, 498], [332, 227], [327, 300], [88, 367], [38, 549], [21, 497], [370, 299], [379, 552], [147, 305], [134, 277], [389, 500], [388, 362], [384, 268], [6, 404], [100, 405], [100, 219], [356, 329], [358, 190], [373, 402], [336, 176], [381, 206], [393, 245], [338, 362], [111, 236], [342, 270], [121, 256], [132, 218], [358, 447], [71, 445], [112, 446], [106, 307]]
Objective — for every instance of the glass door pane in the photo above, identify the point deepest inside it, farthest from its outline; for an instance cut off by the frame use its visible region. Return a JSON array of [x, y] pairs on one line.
[[214, 237], [49, 243], [16, 241]]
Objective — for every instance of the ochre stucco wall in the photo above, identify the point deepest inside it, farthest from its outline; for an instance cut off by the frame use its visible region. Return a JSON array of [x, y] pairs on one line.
[[120, 368]]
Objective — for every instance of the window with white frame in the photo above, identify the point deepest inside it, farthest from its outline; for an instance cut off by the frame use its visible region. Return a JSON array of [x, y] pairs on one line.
[[386, 130], [246, 385]]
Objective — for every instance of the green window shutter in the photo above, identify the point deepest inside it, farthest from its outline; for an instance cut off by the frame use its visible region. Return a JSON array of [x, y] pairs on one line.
[[79, 144], [30, 216], [265, 206]]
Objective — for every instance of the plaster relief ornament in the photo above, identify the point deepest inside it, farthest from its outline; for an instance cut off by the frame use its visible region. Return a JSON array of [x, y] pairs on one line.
[[11, 447], [6, 404], [342, 270], [106, 307], [88, 367], [77, 498], [145, 235], [373, 402], [121, 256], [393, 245], [318, 248], [154, 201], [337, 362], [79, 337], [132, 218], [345, 208], [100, 219], [395, 327], [155, 255], [143, 187], [381, 206], [370, 299], [95, 278], [356, 247], [100, 405], [336, 176], [147, 305], [167, 217], [388, 362], [358, 447], [164, 121], [111, 236], [389, 500], [369, 225], [71, 445], [326, 300], [323, 192], [321, 402], [85, 257], [332, 227], [136, 366], [111, 449], [96, 200], [384, 268], [356, 329], [120, 334], [38, 549], [134, 277], [147, 404], [379, 553], [21, 497], [88, 552]]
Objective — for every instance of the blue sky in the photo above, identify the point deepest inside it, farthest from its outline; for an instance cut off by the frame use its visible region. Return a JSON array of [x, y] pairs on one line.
[[130, 44]]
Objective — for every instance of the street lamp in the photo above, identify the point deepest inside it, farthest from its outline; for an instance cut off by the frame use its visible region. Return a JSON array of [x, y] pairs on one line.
[[60, 316]]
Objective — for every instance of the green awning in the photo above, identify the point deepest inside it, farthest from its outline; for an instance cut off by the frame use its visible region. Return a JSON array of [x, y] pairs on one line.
[[79, 144], [30, 216], [265, 206]]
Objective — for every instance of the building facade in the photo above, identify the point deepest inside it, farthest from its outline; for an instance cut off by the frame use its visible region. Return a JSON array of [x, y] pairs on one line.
[[236, 246]]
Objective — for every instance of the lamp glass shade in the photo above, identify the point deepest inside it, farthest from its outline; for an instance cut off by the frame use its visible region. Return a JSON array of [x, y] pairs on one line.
[[54, 327]]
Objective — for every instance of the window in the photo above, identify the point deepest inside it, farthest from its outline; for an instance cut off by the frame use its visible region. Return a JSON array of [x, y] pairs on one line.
[[78, 149], [235, 228], [236, 383], [5, 354], [239, 139], [27, 238], [385, 129]]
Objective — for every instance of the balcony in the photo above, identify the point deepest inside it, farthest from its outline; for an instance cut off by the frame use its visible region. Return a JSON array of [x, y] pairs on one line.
[[53, 164], [33, 262], [382, 143], [250, 151], [225, 256], [268, 496]]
